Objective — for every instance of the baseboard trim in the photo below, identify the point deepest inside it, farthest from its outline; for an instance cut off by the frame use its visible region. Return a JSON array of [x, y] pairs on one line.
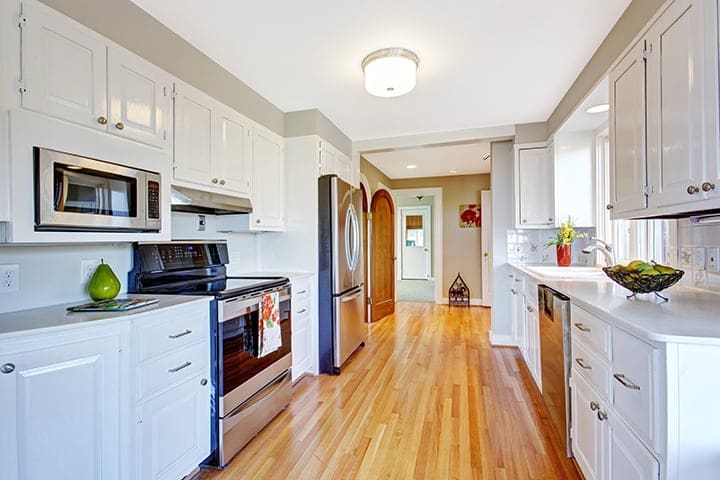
[[502, 340], [474, 302]]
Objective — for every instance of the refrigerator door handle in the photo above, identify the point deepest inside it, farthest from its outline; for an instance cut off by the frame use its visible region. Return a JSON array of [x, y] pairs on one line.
[[352, 238]]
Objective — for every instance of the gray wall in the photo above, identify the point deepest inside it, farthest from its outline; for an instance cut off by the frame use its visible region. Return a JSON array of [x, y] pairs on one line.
[[637, 14], [130, 26], [313, 122], [531, 132]]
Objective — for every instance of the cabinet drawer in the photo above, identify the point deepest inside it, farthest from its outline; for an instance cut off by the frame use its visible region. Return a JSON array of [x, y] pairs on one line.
[[178, 330], [301, 317], [590, 331], [589, 365], [633, 383], [300, 289], [173, 368]]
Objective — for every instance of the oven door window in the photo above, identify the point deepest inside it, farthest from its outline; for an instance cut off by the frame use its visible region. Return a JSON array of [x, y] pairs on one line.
[[83, 190], [240, 346]]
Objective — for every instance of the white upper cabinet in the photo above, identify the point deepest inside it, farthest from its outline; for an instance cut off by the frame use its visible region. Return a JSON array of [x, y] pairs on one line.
[[72, 73], [534, 187], [138, 98], [268, 180], [232, 163], [664, 94], [333, 161], [63, 67], [627, 133], [193, 135]]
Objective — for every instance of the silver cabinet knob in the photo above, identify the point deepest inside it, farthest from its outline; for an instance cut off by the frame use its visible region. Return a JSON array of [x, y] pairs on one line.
[[707, 187], [550, 219], [692, 189], [119, 125], [594, 406], [102, 120], [214, 180], [7, 368], [222, 182], [609, 206], [601, 415], [524, 221], [257, 221]]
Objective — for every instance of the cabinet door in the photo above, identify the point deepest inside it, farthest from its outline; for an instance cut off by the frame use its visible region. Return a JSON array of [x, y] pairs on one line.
[[588, 432], [301, 340], [676, 73], [627, 457], [328, 159], [268, 179], [138, 94], [536, 198], [533, 344], [63, 67], [61, 411], [174, 431], [193, 137], [232, 163], [627, 134]]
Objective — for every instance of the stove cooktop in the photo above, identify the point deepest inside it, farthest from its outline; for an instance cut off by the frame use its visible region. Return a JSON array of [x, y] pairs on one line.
[[226, 287]]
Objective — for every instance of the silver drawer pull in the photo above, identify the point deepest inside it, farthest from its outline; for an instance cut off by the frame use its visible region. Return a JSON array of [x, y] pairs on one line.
[[625, 382], [581, 362], [581, 327], [301, 311], [182, 334], [301, 292], [601, 415], [594, 406], [177, 369]]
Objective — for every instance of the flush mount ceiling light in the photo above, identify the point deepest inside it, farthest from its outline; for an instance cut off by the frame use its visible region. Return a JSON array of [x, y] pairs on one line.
[[390, 72], [603, 107]]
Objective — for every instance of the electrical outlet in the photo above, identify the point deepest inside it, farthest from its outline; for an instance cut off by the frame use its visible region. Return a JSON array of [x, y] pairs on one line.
[[9, 278], [87, 269], [711, 259]]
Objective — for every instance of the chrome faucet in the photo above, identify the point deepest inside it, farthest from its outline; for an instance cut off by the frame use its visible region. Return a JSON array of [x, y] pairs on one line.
[[603, 247]]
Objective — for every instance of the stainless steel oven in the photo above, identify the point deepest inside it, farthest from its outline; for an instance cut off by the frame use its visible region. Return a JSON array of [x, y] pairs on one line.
[[252, 389], [79, 193]]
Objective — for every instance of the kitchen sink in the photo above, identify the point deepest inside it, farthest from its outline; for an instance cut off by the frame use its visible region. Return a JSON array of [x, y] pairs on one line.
[[574, 273]]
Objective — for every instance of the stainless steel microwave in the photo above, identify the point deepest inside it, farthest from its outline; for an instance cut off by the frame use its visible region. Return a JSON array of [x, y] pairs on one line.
[[79, 193]]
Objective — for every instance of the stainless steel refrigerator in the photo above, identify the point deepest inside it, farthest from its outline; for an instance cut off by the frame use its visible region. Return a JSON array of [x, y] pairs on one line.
[[340, 282]]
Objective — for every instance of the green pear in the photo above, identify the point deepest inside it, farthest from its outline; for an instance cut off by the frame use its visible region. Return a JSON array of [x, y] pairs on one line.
[[103, 285]]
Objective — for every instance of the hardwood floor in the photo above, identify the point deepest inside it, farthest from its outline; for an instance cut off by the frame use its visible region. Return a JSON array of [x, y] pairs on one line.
[[426, 398]]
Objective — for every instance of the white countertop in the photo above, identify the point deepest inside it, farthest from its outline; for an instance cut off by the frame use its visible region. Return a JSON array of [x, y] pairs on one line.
[[57, 317], [691, 316]]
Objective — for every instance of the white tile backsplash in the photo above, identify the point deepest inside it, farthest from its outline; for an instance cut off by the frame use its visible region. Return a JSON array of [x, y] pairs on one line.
[[528, 246], [698, 251]]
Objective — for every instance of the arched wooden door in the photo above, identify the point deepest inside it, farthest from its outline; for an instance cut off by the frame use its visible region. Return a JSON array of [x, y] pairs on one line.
[[382, 256]]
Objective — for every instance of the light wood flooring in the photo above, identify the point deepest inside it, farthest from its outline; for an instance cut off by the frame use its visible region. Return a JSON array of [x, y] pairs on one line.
[[426, 398]]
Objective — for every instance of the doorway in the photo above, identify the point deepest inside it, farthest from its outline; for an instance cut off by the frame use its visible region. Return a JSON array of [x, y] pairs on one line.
[[382, 255], [415, 241]]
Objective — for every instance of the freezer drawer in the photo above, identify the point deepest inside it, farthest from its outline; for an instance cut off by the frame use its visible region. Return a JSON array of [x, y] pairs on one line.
[[349, 324]]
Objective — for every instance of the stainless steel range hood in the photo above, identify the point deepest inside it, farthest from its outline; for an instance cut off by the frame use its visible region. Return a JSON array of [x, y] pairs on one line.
[[184, 199]]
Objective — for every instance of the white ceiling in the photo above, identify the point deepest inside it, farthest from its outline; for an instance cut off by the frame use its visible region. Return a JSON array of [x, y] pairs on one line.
[[482, 62], [433, 161], [580, 120]]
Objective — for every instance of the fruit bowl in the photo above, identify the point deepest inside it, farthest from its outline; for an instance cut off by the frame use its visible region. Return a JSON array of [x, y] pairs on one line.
[[638, 282]]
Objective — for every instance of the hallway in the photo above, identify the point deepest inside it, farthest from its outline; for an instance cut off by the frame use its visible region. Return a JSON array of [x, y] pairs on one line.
[[426, 398]]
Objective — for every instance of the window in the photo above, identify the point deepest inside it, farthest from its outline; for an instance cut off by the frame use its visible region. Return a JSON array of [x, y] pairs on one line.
[[643, 239]]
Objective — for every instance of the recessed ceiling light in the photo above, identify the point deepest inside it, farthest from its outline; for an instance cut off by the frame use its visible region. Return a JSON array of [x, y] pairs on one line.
[[603, 107], [390, 72], [411, 166], [453, 170]]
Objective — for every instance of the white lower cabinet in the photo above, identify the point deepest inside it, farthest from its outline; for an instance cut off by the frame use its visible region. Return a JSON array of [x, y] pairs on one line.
[[588, 433], [525, 323], [173, 431], [627, 457], [61, 408], [171, 392], [302, 317]]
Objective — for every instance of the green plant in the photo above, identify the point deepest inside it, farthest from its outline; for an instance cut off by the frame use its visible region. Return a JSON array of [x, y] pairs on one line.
[[566, 235]]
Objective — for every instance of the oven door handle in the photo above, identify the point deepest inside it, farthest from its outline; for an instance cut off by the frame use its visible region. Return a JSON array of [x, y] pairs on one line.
[[265, 392]]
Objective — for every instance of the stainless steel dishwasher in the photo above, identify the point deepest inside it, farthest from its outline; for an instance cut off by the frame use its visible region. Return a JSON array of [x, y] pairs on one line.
[[555, 359]]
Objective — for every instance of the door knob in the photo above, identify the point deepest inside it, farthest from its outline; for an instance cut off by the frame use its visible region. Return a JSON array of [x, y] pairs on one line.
[[102, 120], [692, 189], [119, 125], [707, 186]]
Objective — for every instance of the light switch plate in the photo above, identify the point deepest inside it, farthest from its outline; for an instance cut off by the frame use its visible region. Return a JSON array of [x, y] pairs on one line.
[[711, 259]]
